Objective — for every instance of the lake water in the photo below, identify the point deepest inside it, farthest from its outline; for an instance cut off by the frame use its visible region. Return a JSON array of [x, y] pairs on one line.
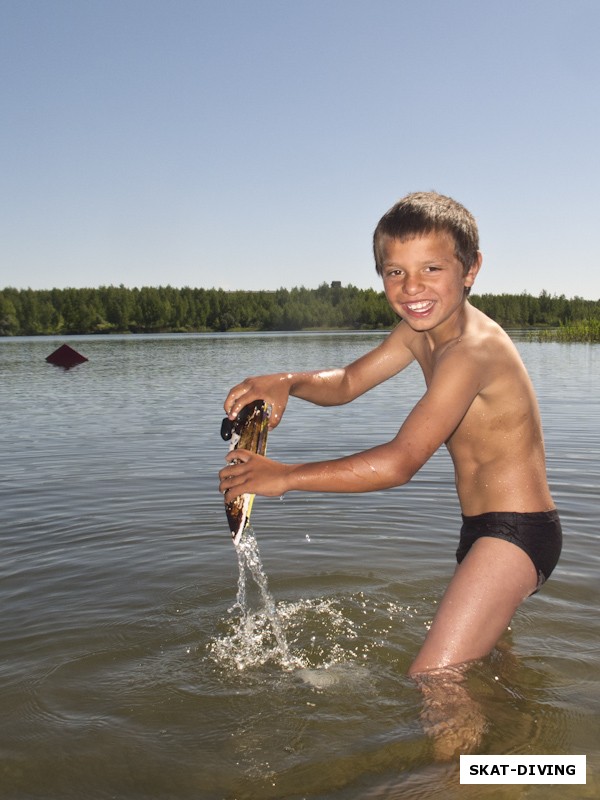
[[125, 672]]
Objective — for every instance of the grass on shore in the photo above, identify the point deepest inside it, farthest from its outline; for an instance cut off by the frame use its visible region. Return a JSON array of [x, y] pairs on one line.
[[582, 331]]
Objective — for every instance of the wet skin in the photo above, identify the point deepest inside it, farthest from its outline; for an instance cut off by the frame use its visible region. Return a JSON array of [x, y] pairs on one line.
[[479, 402]]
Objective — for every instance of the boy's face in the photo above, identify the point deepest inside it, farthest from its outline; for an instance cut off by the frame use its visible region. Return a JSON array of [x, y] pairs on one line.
[[423, 279]]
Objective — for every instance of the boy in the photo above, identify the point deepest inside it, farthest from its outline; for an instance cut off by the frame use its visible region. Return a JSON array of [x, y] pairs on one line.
[[479, 402]]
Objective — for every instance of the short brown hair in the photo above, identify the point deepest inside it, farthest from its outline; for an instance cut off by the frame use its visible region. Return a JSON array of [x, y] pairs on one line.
[[421, 213]]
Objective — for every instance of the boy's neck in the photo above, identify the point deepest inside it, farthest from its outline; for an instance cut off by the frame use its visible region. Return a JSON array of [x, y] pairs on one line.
[[451, 329]]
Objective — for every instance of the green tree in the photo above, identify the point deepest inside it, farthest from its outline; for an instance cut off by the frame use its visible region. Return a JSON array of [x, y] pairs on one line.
[[9, 324]]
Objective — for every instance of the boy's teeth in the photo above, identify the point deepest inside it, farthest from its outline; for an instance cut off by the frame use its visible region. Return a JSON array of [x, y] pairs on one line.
[[418, 306]]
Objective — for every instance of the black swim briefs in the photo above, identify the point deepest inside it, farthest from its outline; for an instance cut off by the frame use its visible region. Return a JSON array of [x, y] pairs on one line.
[[539, 534]]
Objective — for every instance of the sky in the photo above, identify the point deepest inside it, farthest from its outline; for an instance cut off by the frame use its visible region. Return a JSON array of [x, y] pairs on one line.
[[254, 144]]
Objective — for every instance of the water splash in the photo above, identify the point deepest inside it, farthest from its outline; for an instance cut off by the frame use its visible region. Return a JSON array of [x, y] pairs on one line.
[[258, 636], [307, 635]]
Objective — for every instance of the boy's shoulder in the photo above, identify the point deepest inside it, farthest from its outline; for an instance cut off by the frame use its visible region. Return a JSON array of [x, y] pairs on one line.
[[481, 347], [482, 334], [482, 340], [480, 343]]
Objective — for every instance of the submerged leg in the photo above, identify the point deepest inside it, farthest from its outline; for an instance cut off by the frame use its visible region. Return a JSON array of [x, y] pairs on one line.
[[451, 716], [484, 593]]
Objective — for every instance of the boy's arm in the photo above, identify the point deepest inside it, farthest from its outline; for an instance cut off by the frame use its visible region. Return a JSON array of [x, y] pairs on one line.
[[452, 389], [325, 387]]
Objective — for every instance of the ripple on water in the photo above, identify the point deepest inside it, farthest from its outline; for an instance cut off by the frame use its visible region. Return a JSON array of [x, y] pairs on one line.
[[117, 684]]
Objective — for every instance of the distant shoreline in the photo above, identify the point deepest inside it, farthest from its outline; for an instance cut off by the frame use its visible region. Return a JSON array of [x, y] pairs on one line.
[[119, 310], [578, 333]]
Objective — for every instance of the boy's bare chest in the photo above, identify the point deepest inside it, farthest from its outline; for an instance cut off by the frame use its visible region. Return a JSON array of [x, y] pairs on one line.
[[428, 361], [428, 358]]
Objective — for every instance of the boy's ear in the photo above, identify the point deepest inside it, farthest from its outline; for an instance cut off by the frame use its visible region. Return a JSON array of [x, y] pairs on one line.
[[473, 270]]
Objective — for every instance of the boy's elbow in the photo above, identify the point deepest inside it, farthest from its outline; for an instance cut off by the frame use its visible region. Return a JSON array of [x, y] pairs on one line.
[[343, 394], [404, 470], [384, 467], [404, 476]]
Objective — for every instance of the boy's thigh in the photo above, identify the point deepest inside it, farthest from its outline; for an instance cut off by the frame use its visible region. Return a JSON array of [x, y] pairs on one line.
[[488, 586]]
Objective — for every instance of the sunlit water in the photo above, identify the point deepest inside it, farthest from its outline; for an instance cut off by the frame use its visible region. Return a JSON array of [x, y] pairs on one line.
[[258, 635], [142, 656]]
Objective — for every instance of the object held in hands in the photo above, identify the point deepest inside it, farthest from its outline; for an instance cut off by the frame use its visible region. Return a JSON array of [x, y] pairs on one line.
[[248, 431]]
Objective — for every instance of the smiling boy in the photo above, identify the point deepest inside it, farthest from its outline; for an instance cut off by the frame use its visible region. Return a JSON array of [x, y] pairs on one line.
[[479, 402]]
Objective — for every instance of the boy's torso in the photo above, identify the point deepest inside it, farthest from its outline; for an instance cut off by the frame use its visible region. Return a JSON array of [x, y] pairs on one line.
[[497, 448]]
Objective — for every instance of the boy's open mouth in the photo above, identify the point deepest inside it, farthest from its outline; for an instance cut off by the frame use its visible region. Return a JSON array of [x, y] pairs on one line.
[[421, 307]]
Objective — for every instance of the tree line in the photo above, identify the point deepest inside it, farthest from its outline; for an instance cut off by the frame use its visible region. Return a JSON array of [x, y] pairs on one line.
[[117, 309]]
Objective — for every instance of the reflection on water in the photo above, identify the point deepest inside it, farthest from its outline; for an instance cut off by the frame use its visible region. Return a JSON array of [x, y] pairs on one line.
[[132, 666]]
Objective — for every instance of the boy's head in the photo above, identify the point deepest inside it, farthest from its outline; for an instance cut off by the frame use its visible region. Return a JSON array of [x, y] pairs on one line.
[[421, 213]]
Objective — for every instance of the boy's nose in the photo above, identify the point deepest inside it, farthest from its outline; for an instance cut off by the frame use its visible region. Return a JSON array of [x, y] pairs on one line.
[[412, 285]]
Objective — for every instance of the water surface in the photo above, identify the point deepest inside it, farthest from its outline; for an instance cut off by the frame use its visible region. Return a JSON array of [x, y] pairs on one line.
[[121, 674]]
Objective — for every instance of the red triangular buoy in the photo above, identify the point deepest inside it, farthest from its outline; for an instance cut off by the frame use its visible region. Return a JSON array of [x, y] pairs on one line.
[[65, 357]]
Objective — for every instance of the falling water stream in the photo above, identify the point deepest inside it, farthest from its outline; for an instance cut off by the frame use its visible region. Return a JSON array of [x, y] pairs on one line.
[[259, 634]]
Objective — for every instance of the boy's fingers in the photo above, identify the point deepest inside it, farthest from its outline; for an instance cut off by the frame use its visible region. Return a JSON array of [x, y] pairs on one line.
[[229, 483], [233, 475], [235, 408], [230, 494], [238, 455], [229, 472], [234, 402], [274, 418]]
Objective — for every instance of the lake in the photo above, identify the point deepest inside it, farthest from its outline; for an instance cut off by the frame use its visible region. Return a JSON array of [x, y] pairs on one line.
[[125, 672]]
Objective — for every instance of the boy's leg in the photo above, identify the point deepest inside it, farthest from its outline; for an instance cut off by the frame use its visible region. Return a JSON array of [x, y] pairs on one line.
[[488, 586]]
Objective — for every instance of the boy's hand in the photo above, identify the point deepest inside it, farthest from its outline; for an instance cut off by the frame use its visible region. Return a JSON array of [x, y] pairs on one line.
[[273, 389], [252, 474]]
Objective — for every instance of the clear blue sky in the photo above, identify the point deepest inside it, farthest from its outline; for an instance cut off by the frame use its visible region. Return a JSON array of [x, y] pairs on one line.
[[255, 143]]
